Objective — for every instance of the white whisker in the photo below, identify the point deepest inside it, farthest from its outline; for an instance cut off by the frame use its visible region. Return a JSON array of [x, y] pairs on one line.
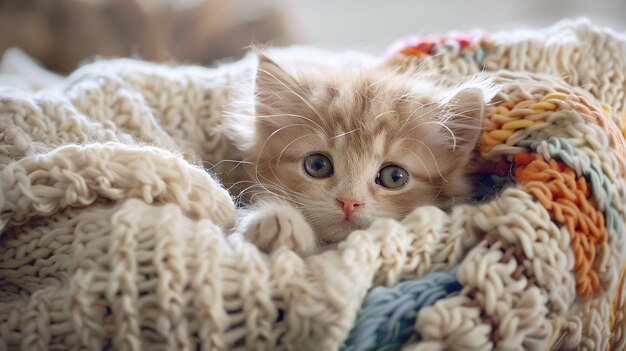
[[384, 113], [292, 115], [449, 131], [296, 94], [432, 155], [345, 133], [280, 155], [420, 160]]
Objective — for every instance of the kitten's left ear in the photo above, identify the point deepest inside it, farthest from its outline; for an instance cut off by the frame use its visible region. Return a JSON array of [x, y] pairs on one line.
[[276, 93], [464, 119], [273, 85]]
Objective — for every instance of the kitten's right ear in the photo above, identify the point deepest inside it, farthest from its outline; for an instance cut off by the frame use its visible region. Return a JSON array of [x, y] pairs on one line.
[[275, 89], [465, 119]]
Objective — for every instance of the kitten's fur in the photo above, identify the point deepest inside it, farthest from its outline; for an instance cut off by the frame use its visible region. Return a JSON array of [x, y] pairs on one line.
[[363, 119]]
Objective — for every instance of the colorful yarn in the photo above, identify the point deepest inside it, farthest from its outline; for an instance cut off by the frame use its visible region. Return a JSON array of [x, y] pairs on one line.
[[562, 142], [567, 197], [601, 184], [388, 314], [511, 117], [471, 45]]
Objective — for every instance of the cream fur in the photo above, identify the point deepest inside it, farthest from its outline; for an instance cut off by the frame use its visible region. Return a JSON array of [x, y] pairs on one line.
[[363, 118]]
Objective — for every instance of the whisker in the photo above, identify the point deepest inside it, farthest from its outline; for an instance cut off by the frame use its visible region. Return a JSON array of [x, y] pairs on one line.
[[384, 78], [296, 94], [436, 196], [276, 195], [382, 114], [420, 160], [412, 116], [237, 162], [447, 129], [240, 182], [345, 133], [280, 155], [292, 115], [256, 168], [432, 155]]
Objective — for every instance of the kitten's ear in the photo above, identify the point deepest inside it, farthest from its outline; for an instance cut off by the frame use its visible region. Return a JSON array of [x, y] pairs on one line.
[[276, 90], [464, 119]]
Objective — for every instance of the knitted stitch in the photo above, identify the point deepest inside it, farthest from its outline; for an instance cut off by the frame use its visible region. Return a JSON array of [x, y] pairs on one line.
[[112, 235], [388, 313]]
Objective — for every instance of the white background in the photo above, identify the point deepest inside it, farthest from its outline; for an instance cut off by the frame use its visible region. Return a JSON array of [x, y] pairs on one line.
[[370, 25]]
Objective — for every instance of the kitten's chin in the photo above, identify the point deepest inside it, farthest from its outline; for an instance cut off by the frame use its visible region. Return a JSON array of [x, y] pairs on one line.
[[333, 233]]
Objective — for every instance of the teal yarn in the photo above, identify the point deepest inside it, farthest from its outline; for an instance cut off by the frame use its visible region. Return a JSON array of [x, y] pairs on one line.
[[388, 314]]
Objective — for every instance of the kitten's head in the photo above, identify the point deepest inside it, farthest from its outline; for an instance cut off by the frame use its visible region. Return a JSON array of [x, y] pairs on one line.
[[349, 145]]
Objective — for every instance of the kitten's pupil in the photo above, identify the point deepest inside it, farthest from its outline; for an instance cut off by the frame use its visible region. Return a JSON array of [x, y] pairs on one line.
[[396, 175], [319, 164]]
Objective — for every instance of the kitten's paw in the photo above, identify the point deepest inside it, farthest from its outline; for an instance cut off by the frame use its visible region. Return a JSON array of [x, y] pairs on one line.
[[273, 226]]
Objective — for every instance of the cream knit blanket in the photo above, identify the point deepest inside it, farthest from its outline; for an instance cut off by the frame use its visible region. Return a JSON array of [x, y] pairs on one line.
[[112, 234]]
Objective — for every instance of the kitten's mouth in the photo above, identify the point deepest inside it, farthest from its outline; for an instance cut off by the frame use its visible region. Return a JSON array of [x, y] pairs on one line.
[[349, 225], [345, 228], [328, 245], [331, 233]]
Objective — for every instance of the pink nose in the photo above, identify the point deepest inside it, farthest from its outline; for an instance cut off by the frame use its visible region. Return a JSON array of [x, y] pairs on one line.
[[348, 206]]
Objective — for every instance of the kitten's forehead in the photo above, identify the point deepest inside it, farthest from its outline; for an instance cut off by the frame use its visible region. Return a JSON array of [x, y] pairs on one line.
[[374, 113], [360, 146], [369, 100]]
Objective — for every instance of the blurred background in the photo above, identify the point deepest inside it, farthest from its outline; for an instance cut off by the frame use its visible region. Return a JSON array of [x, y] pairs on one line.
[[62, 34]]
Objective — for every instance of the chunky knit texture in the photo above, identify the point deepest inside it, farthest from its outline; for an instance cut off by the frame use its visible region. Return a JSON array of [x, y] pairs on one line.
[[112, 234]]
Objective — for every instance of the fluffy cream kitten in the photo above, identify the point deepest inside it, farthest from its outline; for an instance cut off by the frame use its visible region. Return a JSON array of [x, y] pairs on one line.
[[335, 148]]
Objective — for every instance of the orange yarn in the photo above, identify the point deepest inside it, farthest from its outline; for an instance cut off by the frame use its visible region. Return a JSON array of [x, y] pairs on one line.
[[422, 49], [567, 197]]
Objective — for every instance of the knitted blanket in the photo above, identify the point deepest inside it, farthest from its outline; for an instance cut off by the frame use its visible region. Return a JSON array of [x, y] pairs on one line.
[[113, 228]]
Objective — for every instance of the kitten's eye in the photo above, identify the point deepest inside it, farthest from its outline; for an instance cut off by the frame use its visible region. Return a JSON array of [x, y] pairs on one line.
[[318, 166], [392, 177]]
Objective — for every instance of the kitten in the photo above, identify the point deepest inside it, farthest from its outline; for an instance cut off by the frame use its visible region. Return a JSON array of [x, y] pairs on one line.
[[334, 149]]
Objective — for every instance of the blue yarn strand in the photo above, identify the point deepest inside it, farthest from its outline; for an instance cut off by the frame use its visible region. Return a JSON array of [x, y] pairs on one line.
[[388, 314]]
